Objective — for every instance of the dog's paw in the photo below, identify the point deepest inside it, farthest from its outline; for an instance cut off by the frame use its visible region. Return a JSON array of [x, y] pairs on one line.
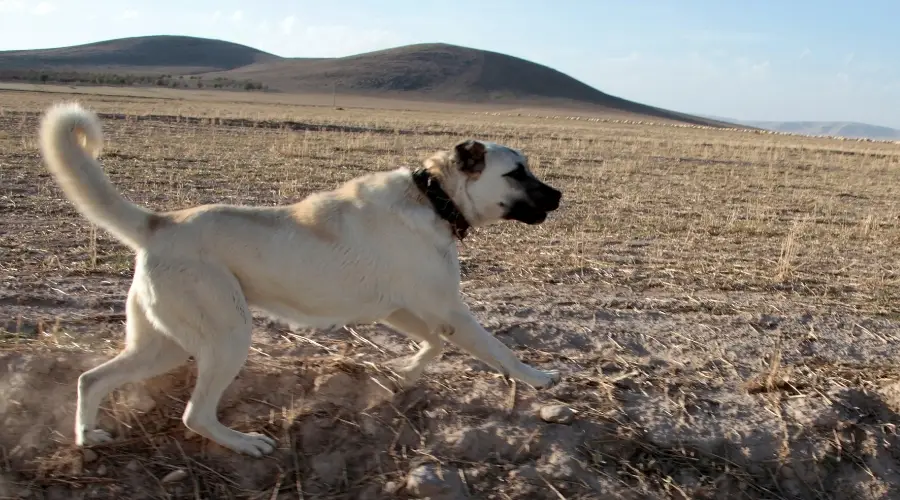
[[253, 444], [408, 376], [405, 372], [93, 436], [548, 379]]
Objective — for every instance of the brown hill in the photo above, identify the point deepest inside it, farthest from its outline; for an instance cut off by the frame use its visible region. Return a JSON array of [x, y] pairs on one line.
[[425, 72], [443, 72], [139, 55]]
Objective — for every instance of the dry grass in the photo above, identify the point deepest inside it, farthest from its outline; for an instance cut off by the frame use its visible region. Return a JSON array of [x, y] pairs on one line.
[[724, 304]]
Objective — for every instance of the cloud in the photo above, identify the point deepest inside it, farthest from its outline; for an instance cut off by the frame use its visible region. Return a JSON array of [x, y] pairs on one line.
[[630, 57], [238, 16], [291, 37], [19, 6], [287, 25], [707, 36], [9, 6], [337, 40], [849, 59], [43, 8], [806, 52], [130, 14], [216, 16], [752, 69]]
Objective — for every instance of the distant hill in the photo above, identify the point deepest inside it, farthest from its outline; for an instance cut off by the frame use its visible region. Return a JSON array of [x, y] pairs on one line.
[[445, 72], [140, 54], [850, 130], [430, 72]]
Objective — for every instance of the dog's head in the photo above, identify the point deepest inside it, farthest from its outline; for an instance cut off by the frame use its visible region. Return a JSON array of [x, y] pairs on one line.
[[491, 182]]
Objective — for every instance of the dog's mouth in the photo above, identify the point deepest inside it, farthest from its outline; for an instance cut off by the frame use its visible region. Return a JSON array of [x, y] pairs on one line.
[[535, 208], [523, 211]]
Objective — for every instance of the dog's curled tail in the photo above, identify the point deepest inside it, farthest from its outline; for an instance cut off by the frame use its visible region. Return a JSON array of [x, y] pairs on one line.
[[71, 139]]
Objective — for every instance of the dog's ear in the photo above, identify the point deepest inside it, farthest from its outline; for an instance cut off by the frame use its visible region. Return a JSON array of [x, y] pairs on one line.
[[471, 156]]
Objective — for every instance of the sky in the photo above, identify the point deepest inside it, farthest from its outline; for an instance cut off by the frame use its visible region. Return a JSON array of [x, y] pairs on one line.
[[761, 60]]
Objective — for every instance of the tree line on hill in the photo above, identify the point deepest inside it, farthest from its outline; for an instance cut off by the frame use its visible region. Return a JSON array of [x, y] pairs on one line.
[[114, 79]]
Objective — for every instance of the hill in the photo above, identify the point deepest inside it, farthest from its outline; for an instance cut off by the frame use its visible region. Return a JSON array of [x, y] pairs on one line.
[[850, 130], [178, 54], [445, 72], [430, 72]]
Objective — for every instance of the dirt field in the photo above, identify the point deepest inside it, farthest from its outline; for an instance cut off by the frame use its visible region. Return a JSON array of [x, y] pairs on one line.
[[725, 307]]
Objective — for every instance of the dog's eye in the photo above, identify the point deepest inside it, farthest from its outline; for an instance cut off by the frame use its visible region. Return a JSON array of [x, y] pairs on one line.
[[519, 174]]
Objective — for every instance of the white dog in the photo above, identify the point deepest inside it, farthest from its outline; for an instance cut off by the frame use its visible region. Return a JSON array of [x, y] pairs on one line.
[[379, 248]]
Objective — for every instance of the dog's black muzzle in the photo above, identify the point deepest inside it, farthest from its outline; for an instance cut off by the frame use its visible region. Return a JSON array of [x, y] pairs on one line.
[[537, 203], [546, 198]]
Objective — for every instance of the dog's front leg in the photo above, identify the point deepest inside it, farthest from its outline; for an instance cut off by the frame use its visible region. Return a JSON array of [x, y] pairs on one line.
[[430, 344], [468, 334]]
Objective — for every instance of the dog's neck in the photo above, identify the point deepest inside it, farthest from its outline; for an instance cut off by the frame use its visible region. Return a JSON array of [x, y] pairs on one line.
[[443, 205]]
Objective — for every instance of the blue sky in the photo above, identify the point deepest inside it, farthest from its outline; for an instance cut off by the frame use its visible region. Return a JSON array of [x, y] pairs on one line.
[[759, 60]]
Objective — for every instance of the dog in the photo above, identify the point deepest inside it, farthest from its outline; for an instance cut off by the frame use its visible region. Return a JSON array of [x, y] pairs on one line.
[[380, 248]]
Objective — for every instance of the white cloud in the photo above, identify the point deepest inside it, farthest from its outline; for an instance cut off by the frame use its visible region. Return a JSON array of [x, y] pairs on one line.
[[339, 41], [130, 14], [752, 69], [18, 6], [43, 8], [708, 36], [9, 6], [849, 59], [238, 16], [216, 16], [633, 56], [287, 25], [806, 52]]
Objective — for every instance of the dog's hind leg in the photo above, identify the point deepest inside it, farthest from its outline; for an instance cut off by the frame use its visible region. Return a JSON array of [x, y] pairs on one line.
[[430, 344], [203, 306], [147, 353], [218, 363]]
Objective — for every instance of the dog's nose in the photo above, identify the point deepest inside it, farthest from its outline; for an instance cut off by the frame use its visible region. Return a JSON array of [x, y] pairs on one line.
[[552, 198]]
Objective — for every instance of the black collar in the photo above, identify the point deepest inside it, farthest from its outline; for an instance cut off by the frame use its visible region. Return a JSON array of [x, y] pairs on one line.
[[443, 205]]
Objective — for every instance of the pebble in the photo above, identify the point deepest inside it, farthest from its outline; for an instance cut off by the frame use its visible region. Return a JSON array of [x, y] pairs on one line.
[[89, 456], [610, 366], [528, 472], [174, 476], [435, 481], [57, 492], [557, 414]]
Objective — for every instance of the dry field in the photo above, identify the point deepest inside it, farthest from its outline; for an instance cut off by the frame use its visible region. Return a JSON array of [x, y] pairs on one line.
[[725, 307]]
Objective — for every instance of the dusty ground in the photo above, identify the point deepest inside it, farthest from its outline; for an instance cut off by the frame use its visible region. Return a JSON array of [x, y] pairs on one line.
[[725, 307]]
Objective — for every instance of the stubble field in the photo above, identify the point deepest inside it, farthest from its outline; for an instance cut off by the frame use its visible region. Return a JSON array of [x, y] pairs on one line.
[[725, 308]]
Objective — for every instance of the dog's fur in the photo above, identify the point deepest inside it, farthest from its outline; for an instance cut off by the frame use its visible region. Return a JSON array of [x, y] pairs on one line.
[[372, 250]]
